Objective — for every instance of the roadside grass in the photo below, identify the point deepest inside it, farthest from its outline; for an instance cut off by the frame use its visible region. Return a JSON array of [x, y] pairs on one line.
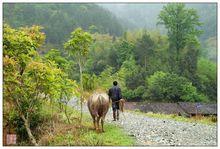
[[208, 120], [74, 134]]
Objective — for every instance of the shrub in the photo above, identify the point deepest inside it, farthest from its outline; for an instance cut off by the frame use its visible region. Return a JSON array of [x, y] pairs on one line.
[[139, 91], [88, 81], [128, 94], [165, 86]]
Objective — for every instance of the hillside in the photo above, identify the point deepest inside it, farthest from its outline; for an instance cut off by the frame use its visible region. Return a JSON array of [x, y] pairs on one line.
[[59, 20]]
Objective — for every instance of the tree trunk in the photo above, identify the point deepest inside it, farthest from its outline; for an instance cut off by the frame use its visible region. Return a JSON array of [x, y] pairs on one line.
[[81, 91], [65, 111], [145, 62], [27, 127]]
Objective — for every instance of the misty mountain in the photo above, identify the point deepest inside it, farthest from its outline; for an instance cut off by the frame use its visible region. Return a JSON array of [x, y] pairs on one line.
[[144, 15]]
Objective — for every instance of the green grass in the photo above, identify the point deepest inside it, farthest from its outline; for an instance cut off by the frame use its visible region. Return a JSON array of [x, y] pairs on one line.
[[113, 136], [75, 134], [210, 120]]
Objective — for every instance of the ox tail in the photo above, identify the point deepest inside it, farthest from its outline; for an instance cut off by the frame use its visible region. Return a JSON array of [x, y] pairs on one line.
[[100, 99]]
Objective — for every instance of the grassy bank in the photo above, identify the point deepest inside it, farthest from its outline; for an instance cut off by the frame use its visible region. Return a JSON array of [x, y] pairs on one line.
[[74, 134], [209, 120]]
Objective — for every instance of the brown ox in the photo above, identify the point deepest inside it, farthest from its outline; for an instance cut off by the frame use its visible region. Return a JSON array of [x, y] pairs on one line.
[[98, 105]]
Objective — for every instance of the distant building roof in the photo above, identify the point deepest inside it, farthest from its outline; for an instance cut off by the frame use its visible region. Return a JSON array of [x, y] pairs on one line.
[[183, 108], [202, 108], [166, 108]]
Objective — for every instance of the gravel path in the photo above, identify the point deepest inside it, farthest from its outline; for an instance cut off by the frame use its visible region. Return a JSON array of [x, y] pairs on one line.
[[163, 132]]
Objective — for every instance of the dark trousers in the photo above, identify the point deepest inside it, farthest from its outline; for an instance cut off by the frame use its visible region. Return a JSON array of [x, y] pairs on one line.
[[115, 108]]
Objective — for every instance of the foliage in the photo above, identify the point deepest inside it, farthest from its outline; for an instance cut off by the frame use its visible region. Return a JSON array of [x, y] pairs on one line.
[[100, 55], [55, 56], [135, 94], [124, 50], [182, 25], [207, 76], [78, 48], [209, 51], [165, 86], [28, 80], [78, 43], [89, 82], [144, 50]]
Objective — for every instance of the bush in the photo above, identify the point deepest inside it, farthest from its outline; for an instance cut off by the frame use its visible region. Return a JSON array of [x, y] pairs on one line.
[[207, 78], [89, 81], [171, 87], [139, 91], [17, 123], [127, 94], [133, 94]]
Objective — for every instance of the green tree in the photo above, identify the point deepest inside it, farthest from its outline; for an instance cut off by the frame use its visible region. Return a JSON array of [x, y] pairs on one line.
[[124, 50], [93, 29], [99, 54], [170, 87], [78, 47], [55, 56], [207, 78], [21, 78], [144, 50], [67, 89], [29, 81], [189, 60], [182, 24]]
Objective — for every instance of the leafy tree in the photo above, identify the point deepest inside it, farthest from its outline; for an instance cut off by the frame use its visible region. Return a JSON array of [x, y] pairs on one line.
[[144, 50], [23, 76], [77, 47], [182, 25], [93, 29], [28, 80], [209, 50], [207, 76], [124, 50], [89, 82], [99, 54], [106, 78], [189, 60], [67, 89], [55, 56], [170, 87]]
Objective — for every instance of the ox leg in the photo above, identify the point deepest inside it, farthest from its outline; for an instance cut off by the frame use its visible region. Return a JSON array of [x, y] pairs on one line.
[[94, 123], [102, 122], [98, 118]]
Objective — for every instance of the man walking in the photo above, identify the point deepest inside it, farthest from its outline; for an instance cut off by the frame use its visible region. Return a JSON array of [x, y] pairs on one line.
[[115, 95]]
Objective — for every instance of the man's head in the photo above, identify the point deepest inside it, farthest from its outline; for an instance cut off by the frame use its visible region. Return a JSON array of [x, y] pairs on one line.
[[115, 83]]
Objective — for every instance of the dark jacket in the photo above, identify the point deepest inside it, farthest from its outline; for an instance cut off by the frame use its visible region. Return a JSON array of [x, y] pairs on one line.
[[115, 93]]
